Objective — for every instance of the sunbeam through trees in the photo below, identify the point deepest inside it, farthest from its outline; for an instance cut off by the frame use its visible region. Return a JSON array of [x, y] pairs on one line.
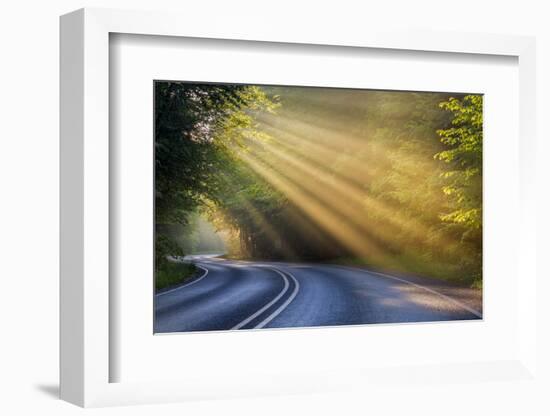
[[386, 179]]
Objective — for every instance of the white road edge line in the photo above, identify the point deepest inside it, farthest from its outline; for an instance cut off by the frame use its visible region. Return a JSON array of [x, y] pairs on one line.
[[188, 284], [435, 292], [284, 305], [266, 306]]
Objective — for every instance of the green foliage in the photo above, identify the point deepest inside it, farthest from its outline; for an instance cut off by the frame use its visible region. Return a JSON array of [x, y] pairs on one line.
[[463, 157], [165, 247], [464, 142], [402, 168], [172, 273], [409, 180], [186, 117], [197, 127]]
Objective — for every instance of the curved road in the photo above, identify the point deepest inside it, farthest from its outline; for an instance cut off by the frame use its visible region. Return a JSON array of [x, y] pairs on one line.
[[250, 295]]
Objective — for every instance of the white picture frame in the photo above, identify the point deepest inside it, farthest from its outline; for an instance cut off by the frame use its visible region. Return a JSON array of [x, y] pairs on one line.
[[85, 220]]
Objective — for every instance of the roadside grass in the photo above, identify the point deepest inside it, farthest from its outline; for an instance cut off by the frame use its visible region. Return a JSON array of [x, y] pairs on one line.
[[173, 273], [415, 266]]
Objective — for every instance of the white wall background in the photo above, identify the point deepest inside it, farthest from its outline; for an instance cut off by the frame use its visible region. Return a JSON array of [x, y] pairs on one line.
[[29, 206]]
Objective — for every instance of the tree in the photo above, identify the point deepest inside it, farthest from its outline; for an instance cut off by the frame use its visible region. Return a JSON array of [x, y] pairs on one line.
[[197, 128], [463, 180], [392, 179], [186, 116], [464, 141]]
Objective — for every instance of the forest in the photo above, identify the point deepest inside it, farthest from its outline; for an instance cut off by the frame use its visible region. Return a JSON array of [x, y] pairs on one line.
[[390, 180]]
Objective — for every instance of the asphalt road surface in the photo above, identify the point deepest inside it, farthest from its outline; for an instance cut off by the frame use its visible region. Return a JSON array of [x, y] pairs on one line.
[[231, 295]]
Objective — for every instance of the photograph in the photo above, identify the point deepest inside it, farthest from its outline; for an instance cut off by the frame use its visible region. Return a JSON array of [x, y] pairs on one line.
[[282, 206]]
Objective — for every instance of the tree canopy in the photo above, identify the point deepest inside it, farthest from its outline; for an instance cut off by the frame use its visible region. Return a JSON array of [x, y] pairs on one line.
[[389, 179]]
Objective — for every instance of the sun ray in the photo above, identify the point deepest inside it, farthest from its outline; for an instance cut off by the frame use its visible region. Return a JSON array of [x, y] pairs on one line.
[[342, 195], [327, 141], [333, 222], [259, 218]]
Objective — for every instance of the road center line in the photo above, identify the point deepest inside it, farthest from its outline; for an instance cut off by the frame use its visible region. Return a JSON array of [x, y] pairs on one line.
[[268, 305], [187, 284], [435, 292], [284, 305]]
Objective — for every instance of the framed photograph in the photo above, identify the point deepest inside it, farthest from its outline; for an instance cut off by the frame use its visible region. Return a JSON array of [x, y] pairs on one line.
[[275, 213]]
